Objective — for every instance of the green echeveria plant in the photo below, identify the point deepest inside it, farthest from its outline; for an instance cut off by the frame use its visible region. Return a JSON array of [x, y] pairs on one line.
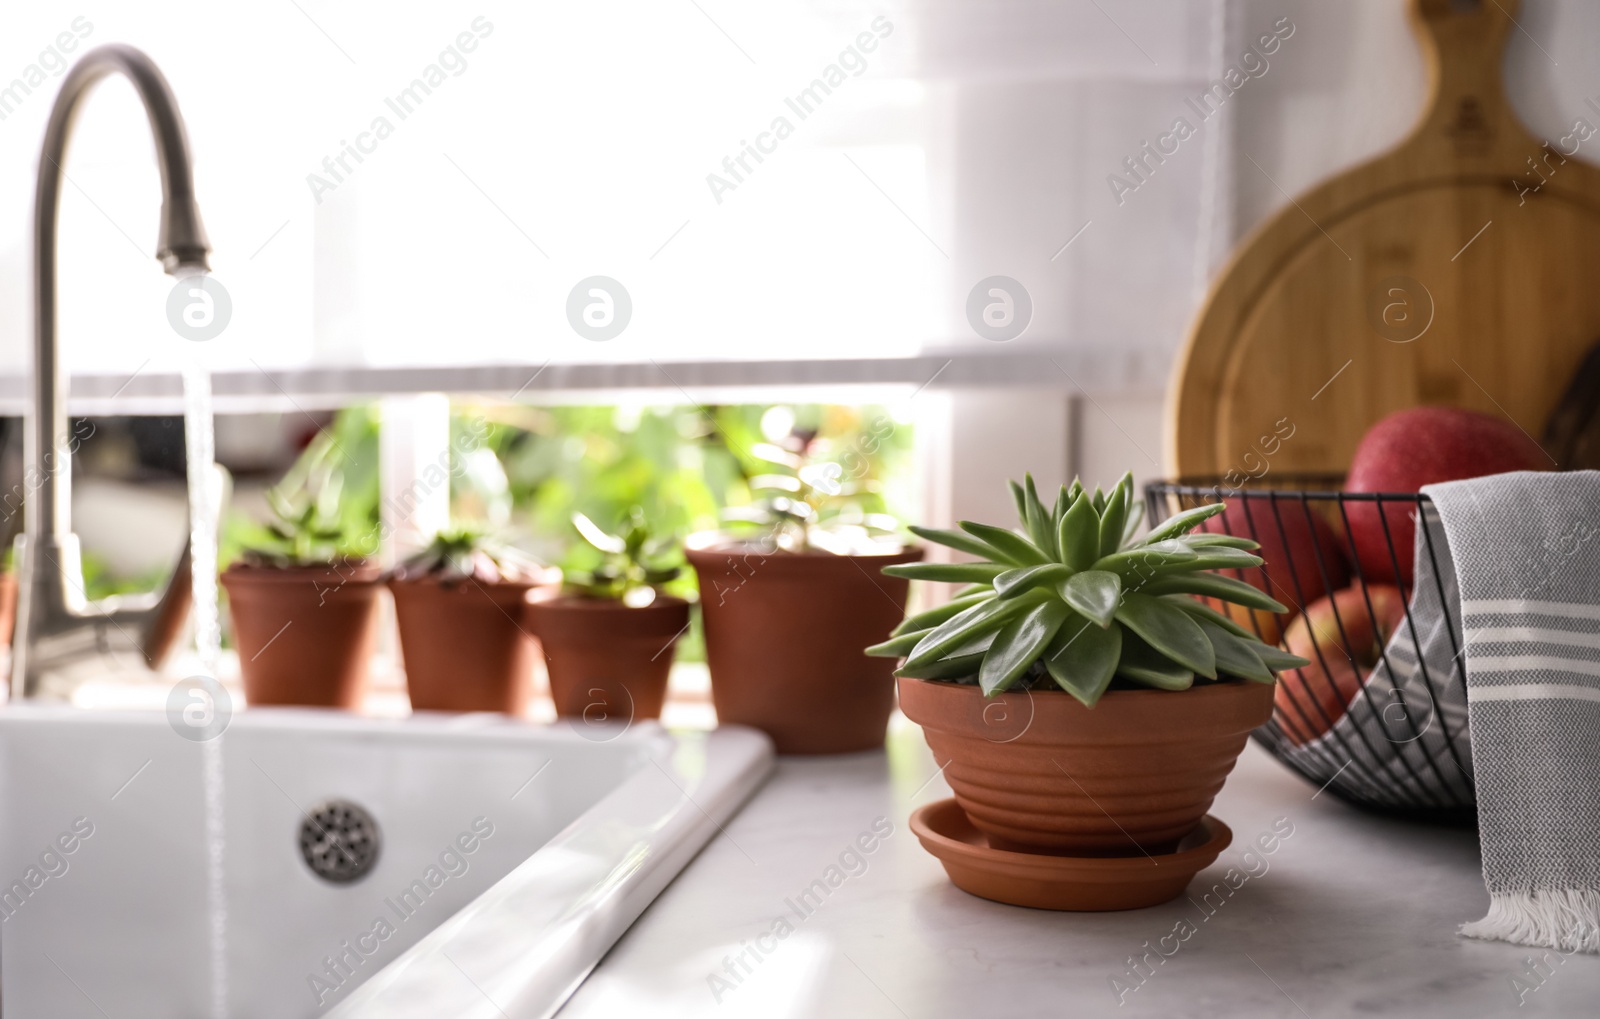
[[635, 566], [456, 555], [1074, 598]]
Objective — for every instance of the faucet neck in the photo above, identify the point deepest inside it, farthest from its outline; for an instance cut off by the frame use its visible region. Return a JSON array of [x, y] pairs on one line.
[[182, 242], [56, 624]]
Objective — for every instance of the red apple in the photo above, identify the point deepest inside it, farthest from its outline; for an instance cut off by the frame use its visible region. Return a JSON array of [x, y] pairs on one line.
[[1417, 447], [1344, 641], [1297, 549]]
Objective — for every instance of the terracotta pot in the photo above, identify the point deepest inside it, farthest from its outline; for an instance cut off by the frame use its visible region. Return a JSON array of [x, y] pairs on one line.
[[305, 634], [785, 634], [1036, 771], [608, 662], [8, 605], [464, 644]]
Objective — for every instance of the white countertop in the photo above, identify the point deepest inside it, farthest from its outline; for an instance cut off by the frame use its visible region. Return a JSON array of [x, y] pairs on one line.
[[1353, 914]]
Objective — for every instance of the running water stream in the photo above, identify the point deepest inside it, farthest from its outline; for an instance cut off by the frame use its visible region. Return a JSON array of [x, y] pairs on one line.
[[204, 496], [204, 504]]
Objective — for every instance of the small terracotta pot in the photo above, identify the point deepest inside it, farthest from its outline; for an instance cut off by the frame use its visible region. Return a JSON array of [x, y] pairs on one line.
[[8, 605], [1036, 771], [464, 644], [305, 634], [608, 662], [785, 636]]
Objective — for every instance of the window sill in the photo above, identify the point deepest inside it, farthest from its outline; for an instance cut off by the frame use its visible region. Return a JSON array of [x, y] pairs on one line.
[[327, 388], [688, 696]]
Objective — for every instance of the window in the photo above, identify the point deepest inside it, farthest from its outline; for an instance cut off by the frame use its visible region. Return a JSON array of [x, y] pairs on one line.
[[404, 196]]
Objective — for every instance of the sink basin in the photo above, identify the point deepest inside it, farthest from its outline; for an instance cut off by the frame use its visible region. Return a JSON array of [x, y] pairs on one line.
[[451, 865]]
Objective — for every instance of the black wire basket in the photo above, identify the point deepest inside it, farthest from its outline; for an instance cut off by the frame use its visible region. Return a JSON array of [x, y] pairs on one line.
[[1372, 720]]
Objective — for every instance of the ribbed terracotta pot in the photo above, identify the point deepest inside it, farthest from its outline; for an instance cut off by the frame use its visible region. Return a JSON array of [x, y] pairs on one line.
[[608, 662], [1036, 771], [464, 644], [785, 634], [305, 634]]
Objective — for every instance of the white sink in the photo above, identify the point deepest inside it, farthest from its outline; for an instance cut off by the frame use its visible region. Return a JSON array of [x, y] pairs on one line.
[[525, 850]]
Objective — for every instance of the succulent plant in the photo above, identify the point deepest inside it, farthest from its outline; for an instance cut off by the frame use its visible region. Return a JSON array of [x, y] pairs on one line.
[[306, 528], [635, 563], [460, 554], [311, 521], [1074, 598], [807, 503]]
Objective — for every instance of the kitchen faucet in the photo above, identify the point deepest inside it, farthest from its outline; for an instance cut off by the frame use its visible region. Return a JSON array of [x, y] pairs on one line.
[[59, 631]]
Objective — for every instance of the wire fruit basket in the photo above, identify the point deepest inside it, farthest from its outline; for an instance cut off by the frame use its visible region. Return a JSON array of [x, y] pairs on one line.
[[1374, 719]]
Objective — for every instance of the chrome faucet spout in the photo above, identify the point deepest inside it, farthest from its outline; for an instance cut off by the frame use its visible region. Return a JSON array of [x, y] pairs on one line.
[[56, 623]]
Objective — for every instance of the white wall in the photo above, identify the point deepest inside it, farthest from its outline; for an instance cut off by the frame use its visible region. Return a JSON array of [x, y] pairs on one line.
[[1119, 432], [973, 441], [1351, 82]]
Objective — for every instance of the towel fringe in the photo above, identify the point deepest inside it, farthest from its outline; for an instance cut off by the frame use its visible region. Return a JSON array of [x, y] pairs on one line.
[[1566, 919]]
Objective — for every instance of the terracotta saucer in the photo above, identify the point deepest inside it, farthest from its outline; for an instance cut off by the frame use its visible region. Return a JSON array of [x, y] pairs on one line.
[[1062, 882]]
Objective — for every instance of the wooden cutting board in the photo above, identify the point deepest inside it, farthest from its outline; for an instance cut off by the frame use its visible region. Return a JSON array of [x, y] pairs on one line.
[[1461, 268]]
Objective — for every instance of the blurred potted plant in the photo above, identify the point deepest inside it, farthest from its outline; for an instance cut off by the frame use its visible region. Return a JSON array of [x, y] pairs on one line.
[[460, 603], [8, 595], [1124, 701], [303, 596], [608, 638], [789, 596]]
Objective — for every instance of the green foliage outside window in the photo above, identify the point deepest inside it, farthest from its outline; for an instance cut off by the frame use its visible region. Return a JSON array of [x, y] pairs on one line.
[[522, 471]]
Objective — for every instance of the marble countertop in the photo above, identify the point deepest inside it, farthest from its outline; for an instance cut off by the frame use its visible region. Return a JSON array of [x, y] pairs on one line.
[[1352, 914]]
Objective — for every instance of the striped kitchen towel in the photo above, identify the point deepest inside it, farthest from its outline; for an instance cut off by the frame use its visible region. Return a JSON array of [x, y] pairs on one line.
[[1526, 552]]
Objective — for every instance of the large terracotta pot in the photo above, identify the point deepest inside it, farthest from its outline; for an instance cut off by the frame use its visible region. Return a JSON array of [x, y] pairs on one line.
[[608, 662], [305, 634], [464, 644], [785, 635], [1037, 771]]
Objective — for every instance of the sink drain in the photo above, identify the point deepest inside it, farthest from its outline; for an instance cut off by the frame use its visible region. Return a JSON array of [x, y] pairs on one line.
[[339, 841]]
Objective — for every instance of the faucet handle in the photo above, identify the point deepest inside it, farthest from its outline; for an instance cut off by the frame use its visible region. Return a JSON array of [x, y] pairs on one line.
[[163, 621]]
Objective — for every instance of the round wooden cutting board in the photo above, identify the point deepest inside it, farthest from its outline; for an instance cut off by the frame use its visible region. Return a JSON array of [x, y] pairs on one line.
[[1461, 268]]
